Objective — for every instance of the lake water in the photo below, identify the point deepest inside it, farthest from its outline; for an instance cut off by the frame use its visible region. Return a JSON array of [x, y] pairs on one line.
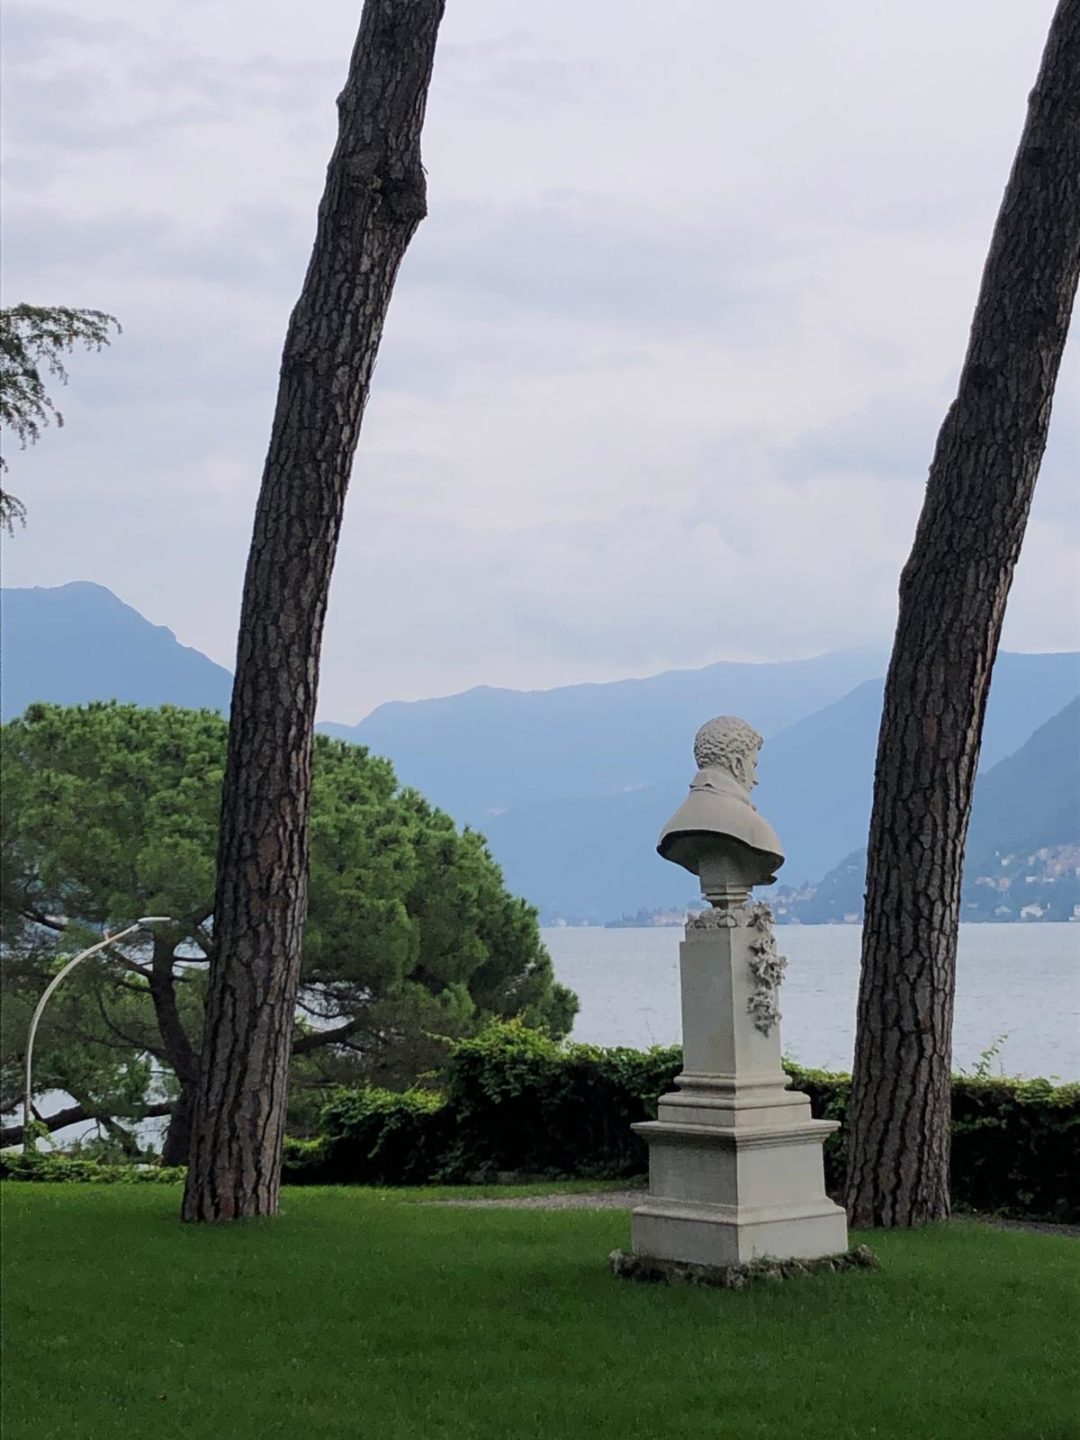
[[1021, 981]]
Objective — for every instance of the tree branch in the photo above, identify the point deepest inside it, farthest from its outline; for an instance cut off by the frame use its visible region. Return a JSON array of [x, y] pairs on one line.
[[128, 963], [198, 924], [317, 1039], [48, 922], [120, 1035], [178, 1047], [76, 1115], [60, 927]]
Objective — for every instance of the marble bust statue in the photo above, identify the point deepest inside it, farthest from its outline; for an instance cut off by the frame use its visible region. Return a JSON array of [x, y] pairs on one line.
[[717, 819]]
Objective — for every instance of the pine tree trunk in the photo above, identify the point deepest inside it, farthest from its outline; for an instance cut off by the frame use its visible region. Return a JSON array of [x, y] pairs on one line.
[[177, 1051], [176, 1148], [952, 602], [374, 199]]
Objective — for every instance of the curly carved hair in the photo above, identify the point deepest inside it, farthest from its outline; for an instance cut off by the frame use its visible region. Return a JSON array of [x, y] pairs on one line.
[[729, 743]]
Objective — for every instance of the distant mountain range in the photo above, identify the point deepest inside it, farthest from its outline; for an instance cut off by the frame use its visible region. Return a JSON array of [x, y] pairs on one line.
[[486, 752], [591, 856], [78, 642], [1023, 850], [571, 785], [1032, 798]]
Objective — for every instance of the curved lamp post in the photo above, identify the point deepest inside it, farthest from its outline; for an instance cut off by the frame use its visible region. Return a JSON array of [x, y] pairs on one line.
[[53, 983]]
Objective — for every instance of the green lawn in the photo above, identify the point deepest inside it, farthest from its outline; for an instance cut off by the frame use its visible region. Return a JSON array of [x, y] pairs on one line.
[[358, 1315]]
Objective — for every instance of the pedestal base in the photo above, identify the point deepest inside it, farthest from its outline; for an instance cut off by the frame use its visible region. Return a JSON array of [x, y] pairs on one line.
[[726, 1195], [735, 1163], [724, 1235]]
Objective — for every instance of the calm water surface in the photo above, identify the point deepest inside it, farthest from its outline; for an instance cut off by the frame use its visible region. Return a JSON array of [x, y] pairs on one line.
[[1020, 981]]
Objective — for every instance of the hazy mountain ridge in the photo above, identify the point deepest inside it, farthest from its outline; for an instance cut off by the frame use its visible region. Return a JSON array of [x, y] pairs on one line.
[[487, 750], [72, 643], [1032, 798], [1023, 850], [593, 858], [571, 785]]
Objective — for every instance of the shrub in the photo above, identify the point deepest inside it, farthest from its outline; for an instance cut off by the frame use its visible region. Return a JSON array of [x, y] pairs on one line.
[[521, 1102], [518, 1101], [1014, 1142], [50, 1168], [302, 1160], [828, 1095], [372, 1137], [1015, 1147]]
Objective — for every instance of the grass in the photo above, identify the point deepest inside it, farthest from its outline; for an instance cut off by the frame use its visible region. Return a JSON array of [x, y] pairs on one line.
[[356, 1315]]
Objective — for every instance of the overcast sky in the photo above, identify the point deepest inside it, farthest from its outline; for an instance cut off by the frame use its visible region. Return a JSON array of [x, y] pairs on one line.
[[664, 367]]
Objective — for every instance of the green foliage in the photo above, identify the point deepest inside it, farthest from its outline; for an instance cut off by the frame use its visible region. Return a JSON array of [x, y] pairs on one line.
[[518, 1101], [521, 1101], [1015, 1147], [1014, 1142], [984, 1065], [372, 1137], [34, 338], [828, 1094], [302, 1161], [111, 811], [76, 1051], [54, 1169]]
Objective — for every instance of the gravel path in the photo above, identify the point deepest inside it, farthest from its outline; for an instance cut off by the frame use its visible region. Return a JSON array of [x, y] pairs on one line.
[[583, 1200], [627, 1199], [1033, 1227]]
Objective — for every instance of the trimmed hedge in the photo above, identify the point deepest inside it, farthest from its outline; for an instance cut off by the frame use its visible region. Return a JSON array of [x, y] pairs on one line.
[[1016, 1147], [373, 1137], [1015, 1143], [521, 1102], [516, 1101]]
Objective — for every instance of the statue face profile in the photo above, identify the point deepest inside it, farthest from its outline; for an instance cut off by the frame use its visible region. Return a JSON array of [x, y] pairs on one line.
[[728, 743]]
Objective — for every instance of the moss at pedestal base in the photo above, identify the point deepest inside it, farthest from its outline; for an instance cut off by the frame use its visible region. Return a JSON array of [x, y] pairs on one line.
[[628, 1266]]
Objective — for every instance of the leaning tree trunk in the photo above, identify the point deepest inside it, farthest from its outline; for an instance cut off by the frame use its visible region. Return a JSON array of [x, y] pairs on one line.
[[952, 602], [178, 1051], [374, 199]]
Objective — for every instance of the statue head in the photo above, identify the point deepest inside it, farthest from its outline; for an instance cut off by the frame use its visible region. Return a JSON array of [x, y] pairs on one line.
[[716, 833], [728, 743]]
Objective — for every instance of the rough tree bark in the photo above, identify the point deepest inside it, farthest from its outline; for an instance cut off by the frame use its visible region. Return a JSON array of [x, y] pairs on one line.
[[176, 1146], [374, 199], [952, 603], [178, 1052]]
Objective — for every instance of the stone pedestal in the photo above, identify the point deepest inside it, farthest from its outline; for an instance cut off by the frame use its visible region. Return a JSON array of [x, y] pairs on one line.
[[735, 1161]]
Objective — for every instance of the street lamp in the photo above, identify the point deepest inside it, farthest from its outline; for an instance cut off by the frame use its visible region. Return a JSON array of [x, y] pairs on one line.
[[53, 983]]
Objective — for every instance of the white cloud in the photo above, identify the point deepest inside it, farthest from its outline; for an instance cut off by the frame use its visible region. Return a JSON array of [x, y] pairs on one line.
[[664, 369]]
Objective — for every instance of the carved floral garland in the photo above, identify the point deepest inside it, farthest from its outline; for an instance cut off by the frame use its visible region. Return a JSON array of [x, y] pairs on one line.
[[767, 966]]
